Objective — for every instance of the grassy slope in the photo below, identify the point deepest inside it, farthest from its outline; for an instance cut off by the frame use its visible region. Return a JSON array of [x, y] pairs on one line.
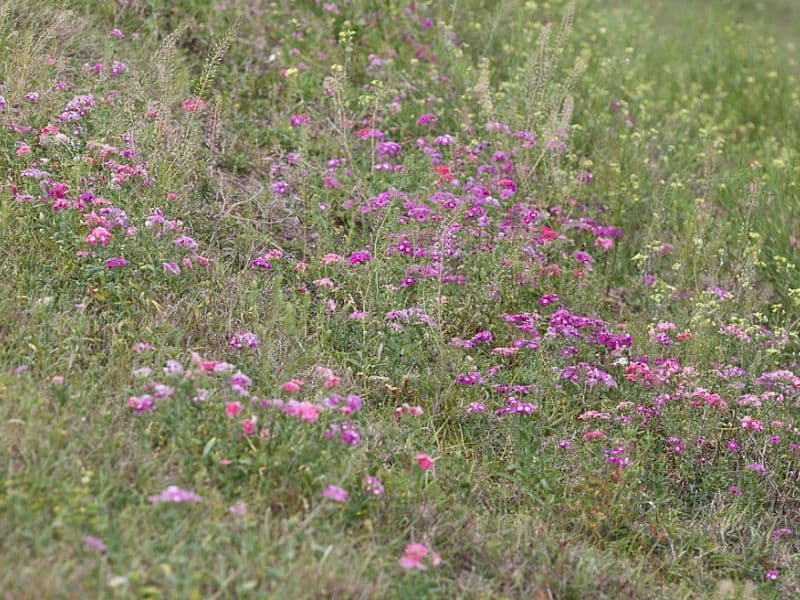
[[511, 517]]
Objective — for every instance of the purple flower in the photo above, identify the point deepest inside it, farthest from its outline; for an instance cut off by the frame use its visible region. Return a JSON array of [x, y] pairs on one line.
[[171, 268], [784, 531], [373, 486], [335, 493], [77, 108], [141, 403], [243, 339], [261, 262], [360, 256], [426, 119], [116, 262], [118, 68], [175, 495], [186, 242]]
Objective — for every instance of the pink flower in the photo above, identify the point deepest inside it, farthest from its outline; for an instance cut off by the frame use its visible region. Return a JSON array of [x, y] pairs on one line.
[[305, 411], [335, 493], [415, 554], [175, 495], [94, 543], [331, 258], [424, 461], [772, 574], [331, 378], [98, 235], [749, 422], [193, 104], [239, 509], [249, 426], [594, 434], [292, 386], [233, 408], [116, 33]]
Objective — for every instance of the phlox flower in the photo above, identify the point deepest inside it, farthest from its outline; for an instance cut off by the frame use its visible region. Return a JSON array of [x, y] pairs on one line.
[[186, 242], [298, 120], [116, 262], [242, 339], [141, 403], [98, 235], [193, 104], [424, 461], [173, 367], [233, 408], [331, 378], [749, 422], [305, 411], [239, 509], [414, 411], [117, 33], [414, 555], [335, 493], [373, 486], [359, 257], [772, 574], [171, 268], [331, 258], [784, 531], [94, 543], [292, 386], [175, 495], [249, 426]]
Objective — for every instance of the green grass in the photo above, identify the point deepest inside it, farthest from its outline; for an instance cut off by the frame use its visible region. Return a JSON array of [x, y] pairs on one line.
[[685, 116]]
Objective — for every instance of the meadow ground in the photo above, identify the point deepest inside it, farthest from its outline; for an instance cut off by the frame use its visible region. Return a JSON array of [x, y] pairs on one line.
[[377, 299]]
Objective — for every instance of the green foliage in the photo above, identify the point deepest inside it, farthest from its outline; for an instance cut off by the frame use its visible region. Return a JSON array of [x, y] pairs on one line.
[[699, 154]]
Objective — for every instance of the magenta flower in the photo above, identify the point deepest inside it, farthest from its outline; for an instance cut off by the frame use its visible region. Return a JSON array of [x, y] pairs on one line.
[[426, 119], [261, 262], [772, 574], [117, 33], [424, 461], [360, 257], [116, 262], [233, 408], [335, 493], [175, 495]]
